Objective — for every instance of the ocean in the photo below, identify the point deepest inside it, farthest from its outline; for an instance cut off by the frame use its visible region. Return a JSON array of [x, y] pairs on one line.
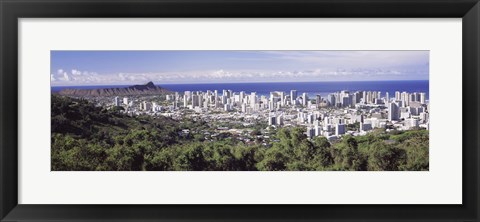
[[311, 88]]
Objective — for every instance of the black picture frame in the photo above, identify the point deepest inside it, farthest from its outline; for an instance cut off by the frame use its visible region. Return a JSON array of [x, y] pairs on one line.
[[11, 11]]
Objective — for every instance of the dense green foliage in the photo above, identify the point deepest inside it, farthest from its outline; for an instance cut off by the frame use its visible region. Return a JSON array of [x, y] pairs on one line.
[[85, 137]]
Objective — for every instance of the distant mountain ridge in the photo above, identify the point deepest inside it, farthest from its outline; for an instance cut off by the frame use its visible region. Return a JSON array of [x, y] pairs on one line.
[[147, 89]]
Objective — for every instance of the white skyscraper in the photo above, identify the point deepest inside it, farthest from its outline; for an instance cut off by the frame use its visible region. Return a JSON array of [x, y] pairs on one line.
[[422, 98], [253, 100], [304, 99], [293, 96], [242, 96], [185, 100], [117, 101], [282, 98], [405, 99], [216, 99]]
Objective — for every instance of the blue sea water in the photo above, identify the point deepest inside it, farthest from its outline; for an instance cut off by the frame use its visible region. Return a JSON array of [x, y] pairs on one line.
[[312, 88]]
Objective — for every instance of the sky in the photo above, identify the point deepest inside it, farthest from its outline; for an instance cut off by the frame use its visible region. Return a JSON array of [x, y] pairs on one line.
[[82, 68]]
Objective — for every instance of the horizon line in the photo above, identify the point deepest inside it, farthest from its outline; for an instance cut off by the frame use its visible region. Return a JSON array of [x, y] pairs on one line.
[[237, 82]]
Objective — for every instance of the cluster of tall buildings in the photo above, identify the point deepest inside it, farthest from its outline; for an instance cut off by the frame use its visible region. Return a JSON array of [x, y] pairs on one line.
[[331, 116], [369, 110], [243, 102]]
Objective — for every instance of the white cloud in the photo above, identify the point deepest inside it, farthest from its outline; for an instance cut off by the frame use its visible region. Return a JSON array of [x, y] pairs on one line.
[[76, 72], [121, 76], [222, 75], [66, 77]]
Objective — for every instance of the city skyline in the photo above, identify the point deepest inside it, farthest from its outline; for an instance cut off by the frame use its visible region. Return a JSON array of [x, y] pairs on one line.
[[81, 68]]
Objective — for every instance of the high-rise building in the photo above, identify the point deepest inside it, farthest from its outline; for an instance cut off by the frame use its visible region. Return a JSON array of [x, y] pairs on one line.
[[422, 98], [346, 101], [271, 105], [293, 96], [194, 101], [282, 98], [223, 99], [200, 100], [304, 99], [216, 99], [253, 100], [405, 99], [125, 101], [205, 104], [155, 107], [185, 100], [318, 100], [244, 108], [393, 111], [413, 97], [332, 99], [318, 130], [369, 97], [310, 118], [226, 107], [397, 96], [116, 101], [242, 96], [357, 96]]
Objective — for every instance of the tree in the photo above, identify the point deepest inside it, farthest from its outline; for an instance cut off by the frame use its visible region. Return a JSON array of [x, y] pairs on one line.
[[385, 157], [346, 155], [191, 157], [417, 151], [275, 159]]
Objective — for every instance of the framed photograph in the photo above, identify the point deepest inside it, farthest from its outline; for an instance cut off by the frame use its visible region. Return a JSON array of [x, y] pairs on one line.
[[224, 110]]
